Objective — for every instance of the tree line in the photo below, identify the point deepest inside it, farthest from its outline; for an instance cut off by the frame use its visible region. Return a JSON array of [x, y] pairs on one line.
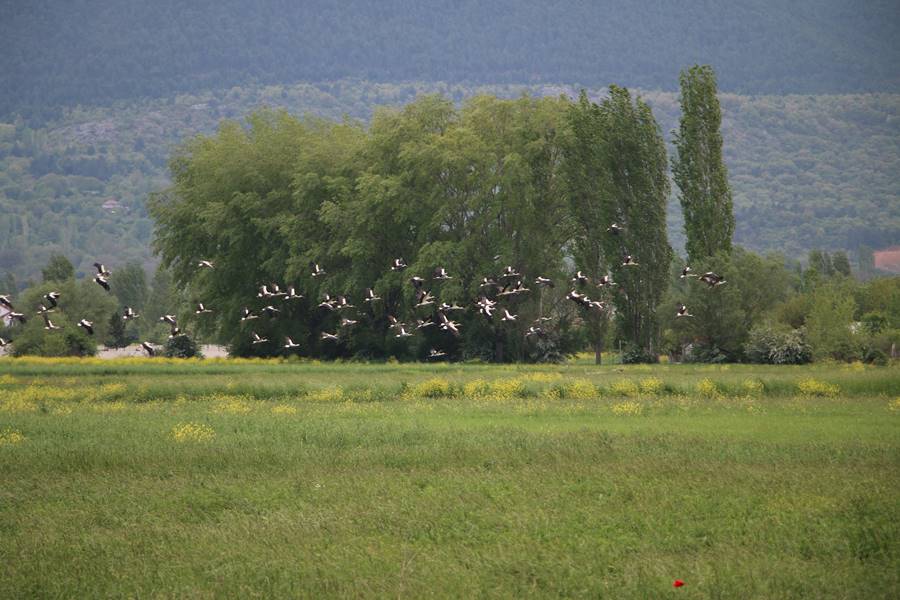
[[535, 182], [532, 182], [806, 172]]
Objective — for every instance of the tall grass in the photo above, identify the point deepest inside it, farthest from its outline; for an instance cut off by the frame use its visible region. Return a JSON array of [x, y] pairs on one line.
[[167, 378], [301, 480]]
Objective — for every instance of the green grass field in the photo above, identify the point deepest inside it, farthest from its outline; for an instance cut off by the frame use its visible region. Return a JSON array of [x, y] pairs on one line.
[[154, 478]]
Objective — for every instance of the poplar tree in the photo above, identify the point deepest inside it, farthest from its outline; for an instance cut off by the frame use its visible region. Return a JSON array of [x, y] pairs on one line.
[[585, 175], [821, 262], [840, 263], [618, 174], [699, 169]]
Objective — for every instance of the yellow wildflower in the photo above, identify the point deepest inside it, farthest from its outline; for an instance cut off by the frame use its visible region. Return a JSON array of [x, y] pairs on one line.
[[629, 407], [11, 437], [813, 387], [192, 432]]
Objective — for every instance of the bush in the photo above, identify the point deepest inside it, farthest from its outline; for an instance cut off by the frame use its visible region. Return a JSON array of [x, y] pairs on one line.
[[651, 386], [181, 346], [874, 356], [71, 341], [874, 322], [580, 389], [706, 353], [546, 350], [707, 388], [828, 324], [877, 347], [813, 387], [436, 387], [772, 346], [624, 387], [635, 354]]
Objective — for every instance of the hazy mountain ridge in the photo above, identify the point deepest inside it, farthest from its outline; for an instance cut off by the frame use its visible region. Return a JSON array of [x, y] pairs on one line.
[[55, 54], [807, 171]]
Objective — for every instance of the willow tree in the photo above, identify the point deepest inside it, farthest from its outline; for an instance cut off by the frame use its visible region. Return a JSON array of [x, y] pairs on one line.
[[699, 169], [433, 184], [619, 175], [455, 188], [248, 199], [518, 212]]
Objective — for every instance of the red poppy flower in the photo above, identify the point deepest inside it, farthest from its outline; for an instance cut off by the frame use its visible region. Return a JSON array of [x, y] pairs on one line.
[[678, 583]]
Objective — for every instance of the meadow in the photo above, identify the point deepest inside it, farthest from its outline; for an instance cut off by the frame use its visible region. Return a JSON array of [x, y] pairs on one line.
[[253, 478]]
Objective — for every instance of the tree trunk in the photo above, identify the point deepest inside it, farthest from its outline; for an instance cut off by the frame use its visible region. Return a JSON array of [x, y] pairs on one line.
[[598, 353]]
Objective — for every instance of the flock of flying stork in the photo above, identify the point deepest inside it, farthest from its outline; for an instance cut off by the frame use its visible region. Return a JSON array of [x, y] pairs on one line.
[[510, 283]]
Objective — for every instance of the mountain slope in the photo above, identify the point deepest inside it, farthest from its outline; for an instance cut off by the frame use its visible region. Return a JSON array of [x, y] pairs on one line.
[[55, 53]]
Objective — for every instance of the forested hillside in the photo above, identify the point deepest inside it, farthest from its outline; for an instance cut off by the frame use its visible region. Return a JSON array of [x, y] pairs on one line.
[[55, 53], [807, 171]]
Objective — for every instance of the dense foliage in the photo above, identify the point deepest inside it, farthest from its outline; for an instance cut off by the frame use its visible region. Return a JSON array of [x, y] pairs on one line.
[[79, 300], [772, 314], [617, 173], [699, 170], [432, 184], [530, 183], [63, 53], [767, 344], [806, 172]]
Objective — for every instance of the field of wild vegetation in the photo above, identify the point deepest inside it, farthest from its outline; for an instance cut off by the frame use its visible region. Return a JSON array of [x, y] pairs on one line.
[[251, 478]]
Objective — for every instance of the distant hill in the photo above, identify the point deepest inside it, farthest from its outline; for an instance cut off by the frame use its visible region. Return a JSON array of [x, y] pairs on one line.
[[807, 171], [56, 53]]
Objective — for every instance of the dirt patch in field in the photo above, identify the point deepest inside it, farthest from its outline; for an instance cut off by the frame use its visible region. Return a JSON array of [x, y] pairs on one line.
[[208, 350], [888, 259]]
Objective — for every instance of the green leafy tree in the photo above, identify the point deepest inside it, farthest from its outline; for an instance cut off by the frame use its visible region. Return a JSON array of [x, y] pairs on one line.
[[58, 269], [841, 263], [181, 346], [633, 191], [233, 191], [699, 169], [117, 333], [432, 184], [129, 284], [820, 261], [460, 189], [828, 325], [584, 169], [162, 300], [881, 295], [794, 310], [723, 316], [866, 261], [79, 300], [8, 285]]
